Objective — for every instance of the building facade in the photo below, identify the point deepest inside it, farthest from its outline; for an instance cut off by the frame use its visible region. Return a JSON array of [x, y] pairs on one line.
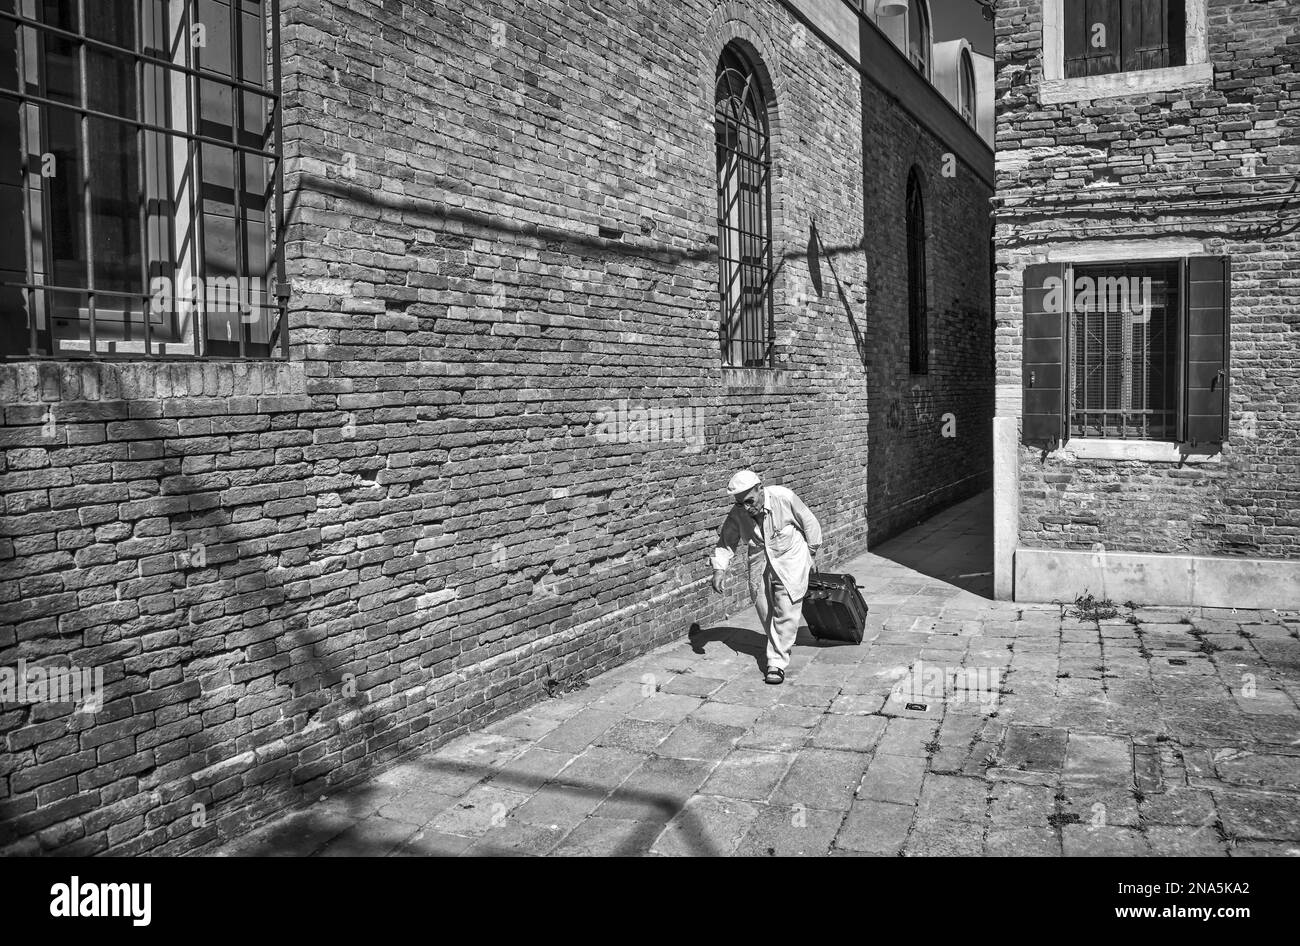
[[1147, 437], [375, 368]]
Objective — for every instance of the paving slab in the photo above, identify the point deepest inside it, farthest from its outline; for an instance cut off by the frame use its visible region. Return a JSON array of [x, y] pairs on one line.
[[1079, 840], [656, 791], [781, 831], [426, 843], [749, 773], [609, 837], [855, 733], [952, 796], [697, 739], [1186, 842], [893, 778], [1022, 842], [875, 827], [580, 730], [1180, 807], [944, 837], [1034, 749], [708, 826], [775, 737], [908, 737], [821, 778], [728, 714], [564, 806], [372, 837], [416, 807], [480, 809], [514, 838], [1263, 816], [637, 735]]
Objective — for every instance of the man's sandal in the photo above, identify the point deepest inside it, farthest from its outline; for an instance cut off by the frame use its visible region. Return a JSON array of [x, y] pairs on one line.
[[775, 675]]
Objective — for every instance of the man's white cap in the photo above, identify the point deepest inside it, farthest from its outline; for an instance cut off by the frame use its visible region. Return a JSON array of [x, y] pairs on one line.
[[744, 480]]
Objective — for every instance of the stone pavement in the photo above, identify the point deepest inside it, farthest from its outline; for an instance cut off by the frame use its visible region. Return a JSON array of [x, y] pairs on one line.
[[959, 726]]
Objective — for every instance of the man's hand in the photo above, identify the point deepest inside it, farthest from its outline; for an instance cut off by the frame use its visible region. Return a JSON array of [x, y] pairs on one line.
[[717, 580]]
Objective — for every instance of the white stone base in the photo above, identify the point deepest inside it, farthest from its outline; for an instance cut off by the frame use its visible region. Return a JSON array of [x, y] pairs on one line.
[[1155, 579]]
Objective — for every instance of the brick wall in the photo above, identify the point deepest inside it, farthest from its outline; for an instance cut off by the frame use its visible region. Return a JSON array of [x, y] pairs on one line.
[[1236, 138], [503, 223]]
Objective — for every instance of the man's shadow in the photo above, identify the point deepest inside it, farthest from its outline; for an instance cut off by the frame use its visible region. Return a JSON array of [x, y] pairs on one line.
[[745, 641]]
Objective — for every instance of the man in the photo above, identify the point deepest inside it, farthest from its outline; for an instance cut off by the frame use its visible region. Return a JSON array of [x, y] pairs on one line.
[[775, 518]]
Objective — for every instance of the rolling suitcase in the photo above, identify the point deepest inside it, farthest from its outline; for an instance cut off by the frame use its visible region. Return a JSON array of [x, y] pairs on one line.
[[834, 609]]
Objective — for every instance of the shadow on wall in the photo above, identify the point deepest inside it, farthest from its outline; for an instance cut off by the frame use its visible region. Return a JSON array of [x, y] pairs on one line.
[[578, 244]]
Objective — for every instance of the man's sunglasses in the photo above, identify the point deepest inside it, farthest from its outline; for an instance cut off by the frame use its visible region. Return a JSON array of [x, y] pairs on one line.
[[749, 499]]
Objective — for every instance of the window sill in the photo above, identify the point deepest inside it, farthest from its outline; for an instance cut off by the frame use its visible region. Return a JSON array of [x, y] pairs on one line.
[[755, 380], [1151, 451], [49, 380], [1087, 88]]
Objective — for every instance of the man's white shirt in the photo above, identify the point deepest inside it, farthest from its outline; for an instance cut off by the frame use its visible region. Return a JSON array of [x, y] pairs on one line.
[[785, 532]]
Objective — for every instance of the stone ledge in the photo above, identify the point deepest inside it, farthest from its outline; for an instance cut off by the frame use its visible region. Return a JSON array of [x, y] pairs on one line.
[[1151, 451], [755, 380], [1153, 578], [46, 382], [1120, 84]]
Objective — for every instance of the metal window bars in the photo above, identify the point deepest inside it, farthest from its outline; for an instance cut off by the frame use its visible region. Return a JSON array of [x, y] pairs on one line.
[[153, 281], [745, 271], [1124, 350]]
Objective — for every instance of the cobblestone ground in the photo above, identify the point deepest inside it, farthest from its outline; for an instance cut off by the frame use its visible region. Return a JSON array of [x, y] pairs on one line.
[[1159, 731]]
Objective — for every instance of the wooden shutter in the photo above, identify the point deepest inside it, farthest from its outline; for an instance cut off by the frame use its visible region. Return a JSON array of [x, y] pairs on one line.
[[1081, 57], [1205, 347], [1043, 360], [1145, 40]]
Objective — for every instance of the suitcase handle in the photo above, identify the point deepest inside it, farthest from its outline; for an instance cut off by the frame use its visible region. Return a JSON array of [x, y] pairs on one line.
[[813, 573]]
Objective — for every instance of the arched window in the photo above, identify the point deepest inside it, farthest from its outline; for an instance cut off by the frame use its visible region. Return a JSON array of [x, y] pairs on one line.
[[966, 88], [918, 335], [744, 212], [919, 37]]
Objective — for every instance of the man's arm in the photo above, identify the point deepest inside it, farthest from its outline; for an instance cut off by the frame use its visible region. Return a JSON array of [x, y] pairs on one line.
[[725, 550]]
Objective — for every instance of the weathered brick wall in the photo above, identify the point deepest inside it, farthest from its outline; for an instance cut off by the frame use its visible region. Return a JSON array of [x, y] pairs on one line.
[[1236, 138], [503, 224]]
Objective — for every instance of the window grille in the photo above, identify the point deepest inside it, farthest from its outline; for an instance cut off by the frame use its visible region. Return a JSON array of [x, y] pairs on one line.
[[148, 220], [1123, 350], [744, 213]]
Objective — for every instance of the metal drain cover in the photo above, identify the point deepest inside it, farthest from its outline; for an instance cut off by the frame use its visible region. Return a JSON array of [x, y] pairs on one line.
[[918, 706]]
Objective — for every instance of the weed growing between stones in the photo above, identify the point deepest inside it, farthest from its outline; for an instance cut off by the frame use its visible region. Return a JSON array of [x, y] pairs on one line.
[[1087, 607], [555, 688]]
